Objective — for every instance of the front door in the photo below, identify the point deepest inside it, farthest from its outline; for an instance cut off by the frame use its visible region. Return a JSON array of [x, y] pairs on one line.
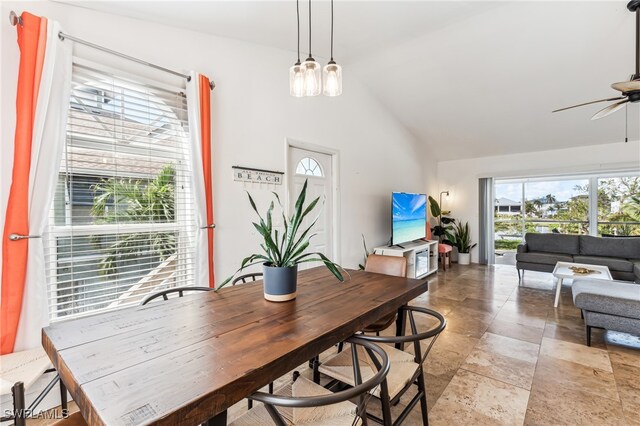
[[315, 167]]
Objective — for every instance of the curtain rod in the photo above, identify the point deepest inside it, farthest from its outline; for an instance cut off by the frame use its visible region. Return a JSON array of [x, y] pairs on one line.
[[17, 20]]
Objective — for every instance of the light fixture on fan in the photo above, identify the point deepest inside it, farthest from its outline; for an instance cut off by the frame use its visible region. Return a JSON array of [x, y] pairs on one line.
[[332, 72], [296, 72], [630, 89], [311, 69]]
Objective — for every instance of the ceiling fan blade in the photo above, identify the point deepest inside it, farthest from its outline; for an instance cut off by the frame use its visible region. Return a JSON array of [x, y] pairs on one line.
[[592, 102], [627, 86], [609, 110]]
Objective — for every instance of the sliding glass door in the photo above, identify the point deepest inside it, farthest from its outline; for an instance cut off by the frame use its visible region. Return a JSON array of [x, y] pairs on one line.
[[604, 205]]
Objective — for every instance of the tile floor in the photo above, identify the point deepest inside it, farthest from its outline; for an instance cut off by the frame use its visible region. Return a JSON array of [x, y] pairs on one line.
[[508, 357]]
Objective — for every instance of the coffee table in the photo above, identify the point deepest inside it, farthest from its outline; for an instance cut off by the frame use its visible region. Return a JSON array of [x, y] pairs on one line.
[[562, 272]]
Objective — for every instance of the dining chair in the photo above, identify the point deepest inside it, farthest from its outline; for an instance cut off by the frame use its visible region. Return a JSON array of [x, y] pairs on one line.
[[406, 369], [387, 265], [304, 402], [19, 371], [254, 276], [166, 293]]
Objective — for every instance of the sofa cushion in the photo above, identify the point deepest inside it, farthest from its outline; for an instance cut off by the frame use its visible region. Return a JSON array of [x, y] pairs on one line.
[[609, 297], [544, 258], [636, 269], [624, 247], [553, 243], [613, 263]]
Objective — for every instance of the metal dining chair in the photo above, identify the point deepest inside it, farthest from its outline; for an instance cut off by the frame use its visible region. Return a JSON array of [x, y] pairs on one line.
[[166, 293], [406, 368], [386, 265], [254, 276], [304, 402]]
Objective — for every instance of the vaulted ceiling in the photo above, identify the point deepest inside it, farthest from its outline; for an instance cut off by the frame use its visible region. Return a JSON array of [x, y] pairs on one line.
[[468, 79]]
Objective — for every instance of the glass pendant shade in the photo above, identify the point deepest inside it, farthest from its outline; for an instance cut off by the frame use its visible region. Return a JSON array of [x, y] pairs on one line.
[[312, 77], [332, 79], [296, 81]]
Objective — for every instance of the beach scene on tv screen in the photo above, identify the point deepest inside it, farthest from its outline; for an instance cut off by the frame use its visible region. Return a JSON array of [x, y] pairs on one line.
[[409, 216]]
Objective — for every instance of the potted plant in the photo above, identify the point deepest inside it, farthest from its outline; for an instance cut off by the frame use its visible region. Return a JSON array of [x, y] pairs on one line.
[[443, 230], [462, 240], [282, 252]]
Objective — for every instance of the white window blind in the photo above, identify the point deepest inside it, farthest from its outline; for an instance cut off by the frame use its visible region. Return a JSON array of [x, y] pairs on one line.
[[122, 222]]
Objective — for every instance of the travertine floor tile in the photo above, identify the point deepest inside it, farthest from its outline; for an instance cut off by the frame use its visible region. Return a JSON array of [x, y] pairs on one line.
[[477, 400], [448, 353], [572, 330], [516, 331], [483, 305], [537, 320], [469, 323], [561, 406], [627, 378], [581, 354], [503, 358], [554, 373]]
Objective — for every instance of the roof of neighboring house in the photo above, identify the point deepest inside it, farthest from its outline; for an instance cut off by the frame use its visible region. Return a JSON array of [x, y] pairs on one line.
[[507, 202], [143, 149]]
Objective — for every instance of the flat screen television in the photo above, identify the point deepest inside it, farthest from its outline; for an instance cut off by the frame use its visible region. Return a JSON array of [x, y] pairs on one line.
[[409, 217]]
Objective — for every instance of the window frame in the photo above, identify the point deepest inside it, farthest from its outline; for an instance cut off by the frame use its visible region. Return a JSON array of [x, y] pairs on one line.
[[592, 194], [182, 188]]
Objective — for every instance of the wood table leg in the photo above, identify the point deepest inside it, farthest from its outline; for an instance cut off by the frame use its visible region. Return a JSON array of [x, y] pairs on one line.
[[401, 326], [218, 420], [558, 288]]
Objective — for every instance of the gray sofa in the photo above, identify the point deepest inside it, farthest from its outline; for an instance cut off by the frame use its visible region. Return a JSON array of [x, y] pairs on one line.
[[611, 305], [540, 252]]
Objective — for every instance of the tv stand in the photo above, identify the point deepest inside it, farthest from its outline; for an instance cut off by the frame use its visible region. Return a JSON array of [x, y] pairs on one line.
[[421, 255]]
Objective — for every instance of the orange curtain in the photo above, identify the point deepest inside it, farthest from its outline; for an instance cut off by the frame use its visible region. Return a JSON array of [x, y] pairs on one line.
[[205, 124], [32, 42]]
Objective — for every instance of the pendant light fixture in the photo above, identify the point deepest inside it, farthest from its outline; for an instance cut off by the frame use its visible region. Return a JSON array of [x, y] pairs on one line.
[[296, 72], [332, 72], [312, 69]]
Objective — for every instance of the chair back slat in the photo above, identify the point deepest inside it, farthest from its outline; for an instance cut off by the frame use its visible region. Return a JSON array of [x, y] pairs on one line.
[[254, 276], [179, 290]]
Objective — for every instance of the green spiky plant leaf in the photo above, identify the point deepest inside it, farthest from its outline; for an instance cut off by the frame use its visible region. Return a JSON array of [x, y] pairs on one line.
[[366, 254], [462, 238], [287, 248]]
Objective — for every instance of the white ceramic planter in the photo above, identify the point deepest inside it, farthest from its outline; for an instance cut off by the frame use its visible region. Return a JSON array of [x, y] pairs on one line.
[[464, 258]]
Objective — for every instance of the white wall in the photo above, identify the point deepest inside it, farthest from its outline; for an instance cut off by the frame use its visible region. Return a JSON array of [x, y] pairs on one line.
[[252, 114], [461, 176]]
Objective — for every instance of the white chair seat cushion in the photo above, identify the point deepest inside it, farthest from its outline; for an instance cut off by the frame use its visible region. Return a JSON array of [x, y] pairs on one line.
[[402, 368], [24, 366], [340, 414]]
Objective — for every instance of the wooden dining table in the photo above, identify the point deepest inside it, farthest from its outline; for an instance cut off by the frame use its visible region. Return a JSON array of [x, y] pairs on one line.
[[186, 360]]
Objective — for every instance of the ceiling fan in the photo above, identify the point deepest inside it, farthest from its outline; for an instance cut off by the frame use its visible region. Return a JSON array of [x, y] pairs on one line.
[[630, 89]]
